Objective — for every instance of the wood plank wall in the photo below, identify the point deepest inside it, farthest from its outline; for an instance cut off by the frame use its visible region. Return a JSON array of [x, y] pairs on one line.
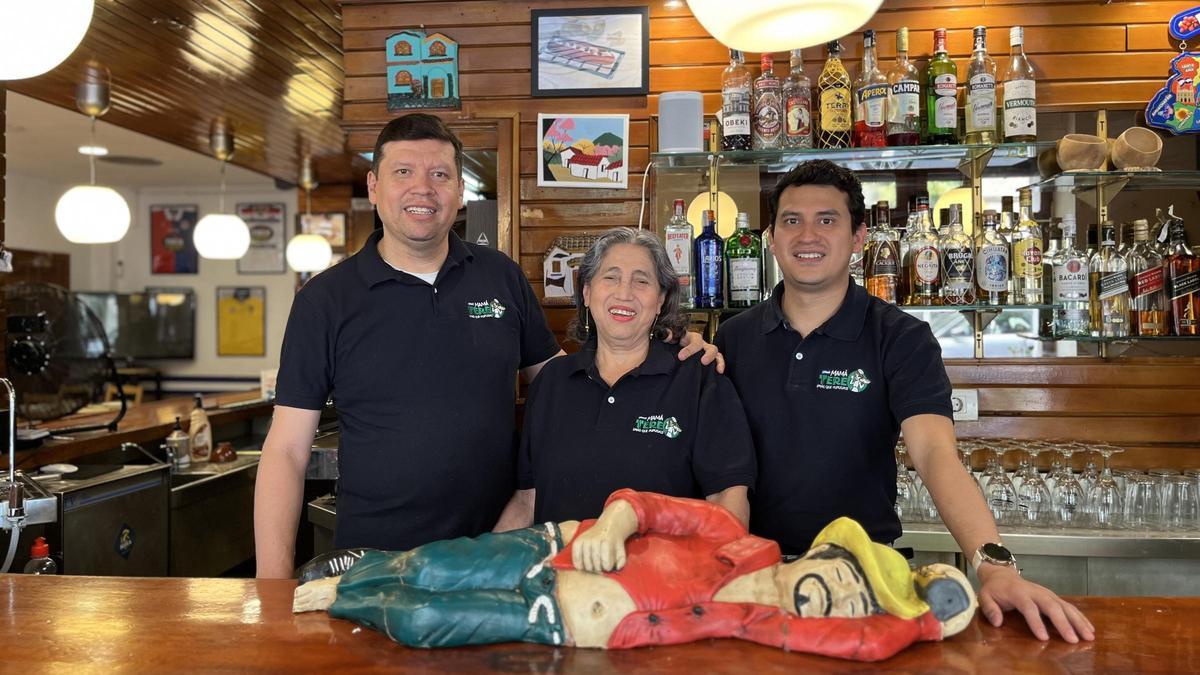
[[1089, 54]]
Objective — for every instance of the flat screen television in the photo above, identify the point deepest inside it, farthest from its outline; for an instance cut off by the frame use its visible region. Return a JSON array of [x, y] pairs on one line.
[[156, 324]]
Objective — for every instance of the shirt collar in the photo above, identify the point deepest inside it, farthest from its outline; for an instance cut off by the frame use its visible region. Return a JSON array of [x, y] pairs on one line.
[[846, 324], [374, 270], [660, 360]]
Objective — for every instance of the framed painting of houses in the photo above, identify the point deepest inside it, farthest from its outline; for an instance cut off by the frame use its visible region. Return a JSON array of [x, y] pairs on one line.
[[422, 71], [601, 51], [583, 151]]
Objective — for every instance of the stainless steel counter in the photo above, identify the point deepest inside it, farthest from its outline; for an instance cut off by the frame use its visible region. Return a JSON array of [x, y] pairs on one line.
[[1073, 542]]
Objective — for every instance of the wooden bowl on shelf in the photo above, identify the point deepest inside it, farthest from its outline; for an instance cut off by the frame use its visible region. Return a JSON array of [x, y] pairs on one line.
[[1081, 152], [1137, 148]]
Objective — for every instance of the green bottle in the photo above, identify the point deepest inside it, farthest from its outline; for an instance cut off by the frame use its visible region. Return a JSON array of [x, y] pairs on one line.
[[743, 255], [941, 95]]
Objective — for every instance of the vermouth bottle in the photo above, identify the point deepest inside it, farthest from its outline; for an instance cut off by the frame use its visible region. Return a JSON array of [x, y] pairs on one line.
[[980, 105], [870, 99], [958, 262], [1020, 92], [1071, 292], [1183, 275], [835, 100], [743, 255], [1109, 287], [1027, 276], [881, 259], [991, 263], [710, 265], [735, 104], [1146, 276], [941, 94], [678, 237], [923, 264], [768, 108], [904, 97], [797, 102]]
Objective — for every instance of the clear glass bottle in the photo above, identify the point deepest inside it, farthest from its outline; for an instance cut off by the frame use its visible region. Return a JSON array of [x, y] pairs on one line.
[[40, 561], [735, 104], [1019, 89], [1027, 268], [980, 107], [958, 262], [768, 108], [991, 263], [881, 259], [1109, 287], [710, 265], [797, 102], [1053, 246], [1071, 293], [941, 94], [836, 119], [923, 266], [743, 256], [1146, 276], [904, 97], [870, 99], [1183, 280], [678, 239]]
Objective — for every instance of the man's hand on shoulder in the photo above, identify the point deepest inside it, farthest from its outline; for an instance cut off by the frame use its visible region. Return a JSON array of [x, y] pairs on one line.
[[1002, 589], [693, 343]]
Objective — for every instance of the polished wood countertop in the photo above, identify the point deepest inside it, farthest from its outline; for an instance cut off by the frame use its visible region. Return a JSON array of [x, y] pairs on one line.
[[67, 623]]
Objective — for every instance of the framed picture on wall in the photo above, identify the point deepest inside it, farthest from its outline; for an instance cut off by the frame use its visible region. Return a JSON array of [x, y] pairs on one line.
[[241, 321], [332, 226], [586, 151], [600, 51], [172, 250], [268, 238]]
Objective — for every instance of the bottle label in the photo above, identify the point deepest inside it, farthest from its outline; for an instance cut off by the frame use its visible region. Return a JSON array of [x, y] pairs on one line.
[[679, 250], [927, 264], [1071, 281], [735, 111], [959, 266], [992, 267], [1020, 108], [744, 277], [884, 260], [1112, 284], [1027, 258], [799, 119], [871, 100], [981, 103], [768, 124], [904, 103], [945, 87], [835, 109], [1146, 282], [1185, 284]]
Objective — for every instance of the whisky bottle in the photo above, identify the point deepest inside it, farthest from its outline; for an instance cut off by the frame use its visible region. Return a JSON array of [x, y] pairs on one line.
[[904, 97], [991, 263], [923, 266], [958, 262], [870, 99], [735, 104], [835, 99], [743, 255], [678, 238], [710, 265], [980, 107], [768, 108], [1147, 284], [797, 102], [1027, 270], [1109, 287], [881, 259], [1020, 92], [941, 94], [1071, 292], [1183, 279]]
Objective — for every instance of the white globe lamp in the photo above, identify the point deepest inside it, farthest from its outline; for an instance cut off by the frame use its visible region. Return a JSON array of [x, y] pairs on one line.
[[37, 35], [221, 236], [92, 214], [309, 253], [780, 25]]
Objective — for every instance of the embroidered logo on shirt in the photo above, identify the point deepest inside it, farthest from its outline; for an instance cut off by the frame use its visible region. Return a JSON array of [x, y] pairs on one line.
[[657, 424], [843, 380], [485, 309]]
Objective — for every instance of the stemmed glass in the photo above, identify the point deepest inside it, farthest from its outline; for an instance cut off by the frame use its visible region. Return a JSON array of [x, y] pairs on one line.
[[1068, 495], [1104, 499], [1000, 493], [966, 447], [1033, 497], [906, 490]]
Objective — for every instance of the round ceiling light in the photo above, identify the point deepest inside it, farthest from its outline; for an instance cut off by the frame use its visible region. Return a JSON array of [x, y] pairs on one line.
[[781, 25], [92, 214], [309, 253], [221, 236], [36, 36]]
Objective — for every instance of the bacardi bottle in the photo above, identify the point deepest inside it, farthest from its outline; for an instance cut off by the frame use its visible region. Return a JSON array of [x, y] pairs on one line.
[[958, 262], [904, 97], [1146, 276], [743, 254], [768, 108], [1020, 92], [835, 96], [797, 101], [881, 259], [941, 94], [991, 263], [678, 237], [1027, 269], [1183, 275], [980, 107], [735, 104], [1109, 287], [923, 266], [1071, 293], [870, 99], [710, 265]]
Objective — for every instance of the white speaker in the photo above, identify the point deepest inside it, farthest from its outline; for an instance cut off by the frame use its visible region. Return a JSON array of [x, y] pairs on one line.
[[681, 122]]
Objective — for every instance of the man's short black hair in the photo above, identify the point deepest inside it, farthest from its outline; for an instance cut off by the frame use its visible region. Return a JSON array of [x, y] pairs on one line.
[[823, 172], [417, 127]]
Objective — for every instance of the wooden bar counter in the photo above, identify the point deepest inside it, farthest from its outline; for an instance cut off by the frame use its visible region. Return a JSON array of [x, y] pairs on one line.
[[110, 624]]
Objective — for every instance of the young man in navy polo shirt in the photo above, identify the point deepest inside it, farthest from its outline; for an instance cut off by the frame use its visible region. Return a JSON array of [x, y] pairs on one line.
[[830, 376]]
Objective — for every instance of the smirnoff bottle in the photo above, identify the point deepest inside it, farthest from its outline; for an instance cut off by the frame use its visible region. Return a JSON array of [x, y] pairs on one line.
[[941, 94], [710, 265], [1109, 287], [923, 264], [904, 97], [797, 104], [991, 263], [881, 259], [678, 236], [1027, 267], [768, 108], [1020, 92], [735, 104], [980, 108], [1146, 276], [958, 262], [835, 99], [743, 254], [1071, 292], [1183, 275], [870, 99]]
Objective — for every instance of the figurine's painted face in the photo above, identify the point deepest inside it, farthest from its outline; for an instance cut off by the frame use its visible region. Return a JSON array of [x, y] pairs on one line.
[[826, 582]]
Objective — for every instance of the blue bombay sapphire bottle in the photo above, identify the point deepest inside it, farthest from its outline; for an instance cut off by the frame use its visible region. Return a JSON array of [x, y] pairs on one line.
[[710, 265]]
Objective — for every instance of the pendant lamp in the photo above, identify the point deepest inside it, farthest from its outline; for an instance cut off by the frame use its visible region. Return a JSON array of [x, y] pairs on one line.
[[220, 235], [781, 25], [37, 35], [307, 253], [92, 214]]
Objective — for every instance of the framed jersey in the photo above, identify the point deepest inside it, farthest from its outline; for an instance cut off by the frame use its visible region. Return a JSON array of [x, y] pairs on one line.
[[241, 321]]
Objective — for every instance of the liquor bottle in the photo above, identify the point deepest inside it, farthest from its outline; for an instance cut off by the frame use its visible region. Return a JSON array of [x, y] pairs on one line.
[[710, 265], [743, 255], [1147, 284], [1007, 228], [1053, 246], [904, 97], [958, 262], [1110, 287], [881, 259], [923, 266], [735, 104], [991, 263], [1071, 292], [1183, 280], [870, 99], [1092, 247], [1027, 268], [678, 238], [797, 103], [980, 106], [835, 97], [941, 94], [768, 108], [1020, 92]]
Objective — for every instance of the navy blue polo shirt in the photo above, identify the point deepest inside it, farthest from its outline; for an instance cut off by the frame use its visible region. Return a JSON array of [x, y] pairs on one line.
[[825, 411], [668, 426], [424, 380]]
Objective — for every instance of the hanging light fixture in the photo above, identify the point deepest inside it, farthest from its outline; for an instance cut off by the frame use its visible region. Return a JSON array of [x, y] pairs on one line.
[[92, 214], [221, 235], [36, 36], [308, 253], [781, 25]]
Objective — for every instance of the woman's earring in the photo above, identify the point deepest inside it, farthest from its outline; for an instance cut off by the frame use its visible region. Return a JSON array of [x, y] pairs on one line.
[[587, 324], [652, 325]]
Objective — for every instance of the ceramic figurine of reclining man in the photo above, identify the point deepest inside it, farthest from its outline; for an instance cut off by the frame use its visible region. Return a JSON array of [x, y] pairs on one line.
[[652, 570]]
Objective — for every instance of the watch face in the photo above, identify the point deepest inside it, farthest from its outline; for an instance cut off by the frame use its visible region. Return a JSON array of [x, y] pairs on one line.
[[997, 553]]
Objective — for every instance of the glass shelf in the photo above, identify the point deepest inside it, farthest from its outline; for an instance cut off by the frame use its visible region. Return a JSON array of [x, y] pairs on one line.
[[970, 308], [859, 159], [1080, 181], [1117, 340]]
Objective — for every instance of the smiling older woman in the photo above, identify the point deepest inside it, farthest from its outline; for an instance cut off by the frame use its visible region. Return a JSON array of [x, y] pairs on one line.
[[624, 412]]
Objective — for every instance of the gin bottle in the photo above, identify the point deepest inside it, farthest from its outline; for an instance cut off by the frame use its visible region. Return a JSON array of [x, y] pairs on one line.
[[678, 237], [743, 255], [1071, 292], [710, 265]]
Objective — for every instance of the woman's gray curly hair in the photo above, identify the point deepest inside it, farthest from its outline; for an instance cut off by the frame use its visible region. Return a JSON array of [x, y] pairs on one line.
[[669, 317]]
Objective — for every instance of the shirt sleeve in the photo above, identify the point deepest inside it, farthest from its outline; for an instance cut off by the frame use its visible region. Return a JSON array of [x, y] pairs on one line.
[[916, 377], [723, 452], [306, 357], [537, 340], [679, 516]]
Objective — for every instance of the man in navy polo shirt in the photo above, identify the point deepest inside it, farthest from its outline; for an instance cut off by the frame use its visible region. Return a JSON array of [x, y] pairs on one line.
[[829, 377]]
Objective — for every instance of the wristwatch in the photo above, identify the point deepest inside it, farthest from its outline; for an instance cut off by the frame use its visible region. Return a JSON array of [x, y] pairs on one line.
[[993, 554]]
